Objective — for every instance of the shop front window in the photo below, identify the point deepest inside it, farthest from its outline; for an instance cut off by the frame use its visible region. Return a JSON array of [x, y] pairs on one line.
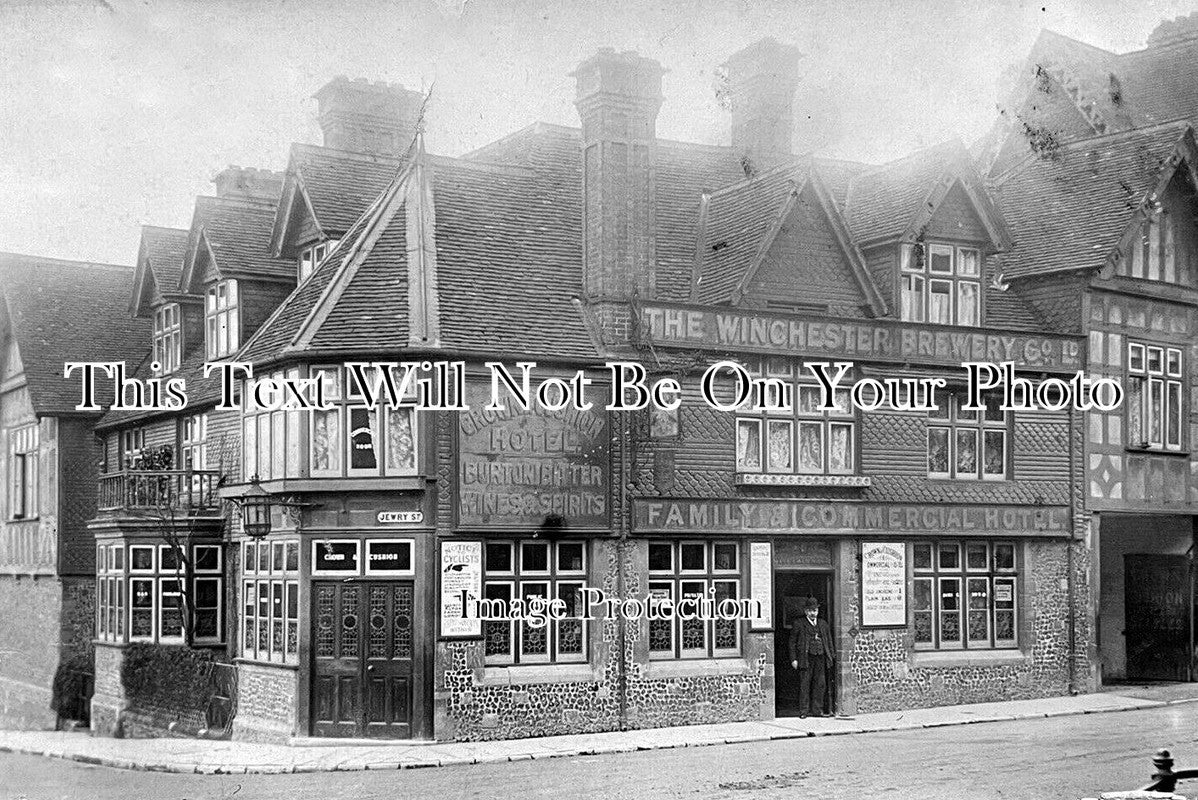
[[147, 593], [965, 595], [270, 601], [526, 569], [708, 571]]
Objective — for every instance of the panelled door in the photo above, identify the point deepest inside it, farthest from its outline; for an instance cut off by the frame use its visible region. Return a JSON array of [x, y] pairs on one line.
[[362, 659]]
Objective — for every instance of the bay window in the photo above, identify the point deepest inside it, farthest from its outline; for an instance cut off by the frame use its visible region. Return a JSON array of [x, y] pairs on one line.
[[350, 439], [149, 587], [965, 595]]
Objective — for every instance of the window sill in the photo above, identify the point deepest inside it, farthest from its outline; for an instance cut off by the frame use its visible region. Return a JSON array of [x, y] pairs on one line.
[[945, 659], [530, 674], [1157, 451], [697, 667], [788, 479], [254, 662]]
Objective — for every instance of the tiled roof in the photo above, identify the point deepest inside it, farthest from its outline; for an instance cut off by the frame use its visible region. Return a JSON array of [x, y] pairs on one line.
[[737, 219], [164, 250], [1069, 211], [1161, 83], [1069, 90], [238, 232], [202, 391], [684, 171], [68, 311], [883, 202], [508, 265], [340, 184]]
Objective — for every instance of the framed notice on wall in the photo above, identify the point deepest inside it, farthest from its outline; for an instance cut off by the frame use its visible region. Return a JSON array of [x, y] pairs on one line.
[[761, 584], [883, 585], [461, 567]]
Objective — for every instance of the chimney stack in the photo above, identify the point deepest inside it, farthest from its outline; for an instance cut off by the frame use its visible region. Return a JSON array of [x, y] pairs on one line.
[[762, 79], [365, 117], [618, 97], [249, 183]]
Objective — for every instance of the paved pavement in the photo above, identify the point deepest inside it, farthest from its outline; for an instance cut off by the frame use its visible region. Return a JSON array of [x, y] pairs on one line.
[[218, 757], [1065, 757]]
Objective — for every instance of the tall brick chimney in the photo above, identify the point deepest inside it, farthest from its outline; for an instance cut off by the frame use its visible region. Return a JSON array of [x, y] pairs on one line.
[[249, 183], [618, 97], [762, 79], [368, 117]]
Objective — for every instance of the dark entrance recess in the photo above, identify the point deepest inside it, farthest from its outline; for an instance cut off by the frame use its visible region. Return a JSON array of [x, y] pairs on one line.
[[1158, 602], [790, 590], [362, 645]]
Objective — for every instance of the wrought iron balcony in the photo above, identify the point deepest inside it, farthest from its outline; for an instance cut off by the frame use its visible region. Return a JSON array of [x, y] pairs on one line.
[[150, 491]]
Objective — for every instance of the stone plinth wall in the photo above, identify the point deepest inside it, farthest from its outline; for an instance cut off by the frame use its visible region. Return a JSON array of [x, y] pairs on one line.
[[268, 697], [886, 673]]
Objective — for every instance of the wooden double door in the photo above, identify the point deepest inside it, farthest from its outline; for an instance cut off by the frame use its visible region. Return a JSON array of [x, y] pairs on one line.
[[362, 672]]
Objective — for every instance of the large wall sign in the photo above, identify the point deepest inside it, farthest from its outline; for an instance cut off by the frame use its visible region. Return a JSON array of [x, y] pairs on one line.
[[761, 584], [864, 340], [461, 566], [799, 516], [518, 468], [883, 585]]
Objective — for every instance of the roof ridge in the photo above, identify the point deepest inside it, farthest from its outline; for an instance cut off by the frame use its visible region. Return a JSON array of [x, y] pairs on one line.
[[760, 176], [488, 166], [8, 254], [1086, 45], [911, 157], [355, 154]]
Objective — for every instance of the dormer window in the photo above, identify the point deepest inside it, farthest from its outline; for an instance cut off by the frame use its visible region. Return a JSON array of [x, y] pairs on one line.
[[310, 257], [221, 319], [941, 284], [168, 338]]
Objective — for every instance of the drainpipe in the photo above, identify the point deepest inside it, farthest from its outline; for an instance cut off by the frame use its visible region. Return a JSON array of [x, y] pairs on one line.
[[1075, 495], [621, 552]]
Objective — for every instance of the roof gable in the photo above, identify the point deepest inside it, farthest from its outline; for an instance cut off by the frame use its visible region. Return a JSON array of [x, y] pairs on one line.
[[896, 202], [160, 257], [1073, 211], [235, 233]]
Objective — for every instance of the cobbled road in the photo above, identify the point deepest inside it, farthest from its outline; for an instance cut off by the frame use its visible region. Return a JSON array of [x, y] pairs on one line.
[[1042, 759]]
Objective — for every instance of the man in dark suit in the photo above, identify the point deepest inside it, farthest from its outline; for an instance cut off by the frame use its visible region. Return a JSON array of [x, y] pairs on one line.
[[812, 654]]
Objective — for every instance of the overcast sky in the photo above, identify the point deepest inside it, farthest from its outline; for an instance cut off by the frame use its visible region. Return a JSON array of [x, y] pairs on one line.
[[114, 114]]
